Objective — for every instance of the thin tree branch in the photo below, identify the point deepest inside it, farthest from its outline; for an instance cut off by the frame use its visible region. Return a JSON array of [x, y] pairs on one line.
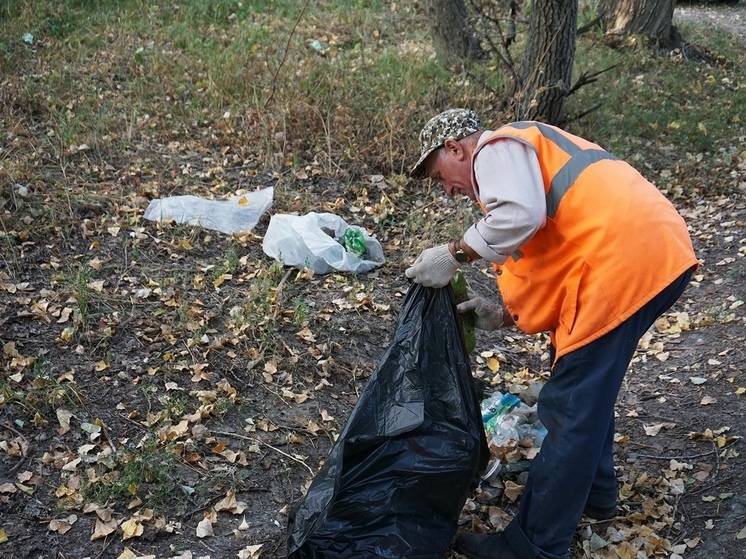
[[586, 78], [285, 54]]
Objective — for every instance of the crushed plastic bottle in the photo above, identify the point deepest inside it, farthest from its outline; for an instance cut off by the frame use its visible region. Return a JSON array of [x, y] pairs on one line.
[[354, 242], [494, 410]]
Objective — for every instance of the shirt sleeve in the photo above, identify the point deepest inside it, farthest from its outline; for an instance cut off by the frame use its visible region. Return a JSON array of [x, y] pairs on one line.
[[512, 190]]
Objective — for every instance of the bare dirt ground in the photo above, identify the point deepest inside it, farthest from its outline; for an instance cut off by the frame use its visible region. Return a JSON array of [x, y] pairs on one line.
[[681, 412]]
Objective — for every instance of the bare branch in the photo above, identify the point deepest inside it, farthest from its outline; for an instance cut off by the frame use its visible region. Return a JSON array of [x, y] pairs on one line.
[[586, 78], [285, 54]]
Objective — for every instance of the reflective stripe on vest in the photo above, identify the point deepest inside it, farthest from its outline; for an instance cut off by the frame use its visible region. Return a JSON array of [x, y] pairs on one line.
[[580, 160]]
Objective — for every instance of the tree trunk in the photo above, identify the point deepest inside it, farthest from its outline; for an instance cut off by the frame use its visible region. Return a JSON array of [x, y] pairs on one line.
[[453, 37], [547, 64], [652, 18]]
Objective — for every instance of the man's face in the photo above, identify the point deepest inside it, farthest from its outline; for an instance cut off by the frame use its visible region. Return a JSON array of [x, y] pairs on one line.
[[450, 166]]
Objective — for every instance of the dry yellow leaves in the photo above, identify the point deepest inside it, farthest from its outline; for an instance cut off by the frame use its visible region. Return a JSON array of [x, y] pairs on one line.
[[103, 528], [493, 364], [513, 490], [230, 504], [63, 416], [132, 528], [221, 279], [63, 525], [64, 315], [204, 528], [67, 334], [97, 286], [171, 432], [250, 552], [306, 335]]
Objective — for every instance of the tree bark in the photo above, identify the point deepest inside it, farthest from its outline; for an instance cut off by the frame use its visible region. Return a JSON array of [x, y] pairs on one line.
[[547, 64], [651, 18], [453, 37]]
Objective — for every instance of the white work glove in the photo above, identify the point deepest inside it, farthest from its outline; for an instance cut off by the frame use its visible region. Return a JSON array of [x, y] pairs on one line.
[[434, 267], [489, 314]]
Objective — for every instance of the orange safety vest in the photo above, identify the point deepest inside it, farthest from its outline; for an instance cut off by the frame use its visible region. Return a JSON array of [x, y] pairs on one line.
[[611, 241]]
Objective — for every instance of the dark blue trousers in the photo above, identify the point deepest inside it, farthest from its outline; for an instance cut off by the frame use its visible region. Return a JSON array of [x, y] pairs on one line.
[[575, 467]]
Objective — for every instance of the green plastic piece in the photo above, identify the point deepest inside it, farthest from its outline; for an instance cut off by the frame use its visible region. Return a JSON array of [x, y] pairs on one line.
[[354, 241], [467, 320]]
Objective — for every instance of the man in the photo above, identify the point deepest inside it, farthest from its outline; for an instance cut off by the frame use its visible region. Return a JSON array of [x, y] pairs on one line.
[[584, 248]]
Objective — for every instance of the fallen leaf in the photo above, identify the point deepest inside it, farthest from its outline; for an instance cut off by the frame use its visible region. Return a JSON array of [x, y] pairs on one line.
[[707, 400], [63, 525], [103, 529], [697, 380], [493, 364], [64, 315], [97, 286], [306, 335], [250, 552], [513, 490], [229, 504], [742, 534], [132, 528], [204, 528], [652, 430], [3, 536], [63, 416]]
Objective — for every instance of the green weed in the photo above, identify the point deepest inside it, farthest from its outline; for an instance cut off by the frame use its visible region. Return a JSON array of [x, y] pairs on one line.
[[78, 282], [146, 472]]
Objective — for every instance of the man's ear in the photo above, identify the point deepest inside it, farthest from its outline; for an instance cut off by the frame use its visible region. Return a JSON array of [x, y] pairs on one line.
[[454, 148]]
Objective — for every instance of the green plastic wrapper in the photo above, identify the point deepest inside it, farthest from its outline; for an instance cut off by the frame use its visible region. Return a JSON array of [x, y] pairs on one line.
[[354, 241], [468, 319]]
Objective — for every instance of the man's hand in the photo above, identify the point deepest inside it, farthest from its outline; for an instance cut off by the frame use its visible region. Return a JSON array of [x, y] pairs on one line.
[[434, 267], [489, 314]]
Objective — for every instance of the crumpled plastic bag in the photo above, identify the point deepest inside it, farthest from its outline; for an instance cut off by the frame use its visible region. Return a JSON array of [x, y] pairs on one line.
[[312, 241], [239, 214], [397, 477]]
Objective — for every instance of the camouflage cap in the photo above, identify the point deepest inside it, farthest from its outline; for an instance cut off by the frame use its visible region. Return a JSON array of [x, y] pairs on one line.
[[453, 123]]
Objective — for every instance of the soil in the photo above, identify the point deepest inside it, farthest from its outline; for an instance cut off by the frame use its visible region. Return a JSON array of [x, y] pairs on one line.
[[655, 392]]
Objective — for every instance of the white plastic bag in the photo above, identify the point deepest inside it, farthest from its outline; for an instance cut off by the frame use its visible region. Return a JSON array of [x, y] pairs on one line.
[[239, 214], [311, 241]]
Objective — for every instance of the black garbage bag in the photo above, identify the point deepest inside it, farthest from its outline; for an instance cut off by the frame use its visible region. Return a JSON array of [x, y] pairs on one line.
[[397, 477]]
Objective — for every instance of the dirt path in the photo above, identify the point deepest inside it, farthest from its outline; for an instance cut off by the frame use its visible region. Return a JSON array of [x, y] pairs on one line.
[[728, 18]]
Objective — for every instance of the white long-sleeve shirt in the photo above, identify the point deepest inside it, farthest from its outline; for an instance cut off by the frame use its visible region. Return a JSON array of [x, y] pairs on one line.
[[510, 186]]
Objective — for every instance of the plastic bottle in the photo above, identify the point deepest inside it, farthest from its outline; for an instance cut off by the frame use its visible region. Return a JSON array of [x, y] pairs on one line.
[[495, 409]]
